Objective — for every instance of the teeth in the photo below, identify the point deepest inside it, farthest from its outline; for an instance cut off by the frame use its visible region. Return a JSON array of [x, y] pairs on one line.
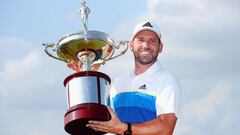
[[145, 52]]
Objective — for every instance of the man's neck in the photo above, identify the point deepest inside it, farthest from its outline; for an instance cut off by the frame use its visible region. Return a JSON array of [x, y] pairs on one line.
[[140, 68]]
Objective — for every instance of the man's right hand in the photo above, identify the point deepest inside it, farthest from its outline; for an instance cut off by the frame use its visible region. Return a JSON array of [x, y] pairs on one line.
[[77, 66]]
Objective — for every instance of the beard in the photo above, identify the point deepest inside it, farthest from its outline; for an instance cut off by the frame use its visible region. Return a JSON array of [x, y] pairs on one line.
[[145, 58]]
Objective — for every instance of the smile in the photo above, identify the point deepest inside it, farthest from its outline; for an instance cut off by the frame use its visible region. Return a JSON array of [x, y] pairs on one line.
[[145, 52]]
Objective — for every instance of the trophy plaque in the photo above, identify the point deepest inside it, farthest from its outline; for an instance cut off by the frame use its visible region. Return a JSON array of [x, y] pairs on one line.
[[86, 90]]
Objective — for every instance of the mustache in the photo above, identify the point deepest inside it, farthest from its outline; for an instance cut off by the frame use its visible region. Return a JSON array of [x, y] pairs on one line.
[[145, 49]]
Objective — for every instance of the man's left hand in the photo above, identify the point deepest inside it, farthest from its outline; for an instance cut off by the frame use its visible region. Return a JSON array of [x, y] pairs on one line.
[[112, 126]]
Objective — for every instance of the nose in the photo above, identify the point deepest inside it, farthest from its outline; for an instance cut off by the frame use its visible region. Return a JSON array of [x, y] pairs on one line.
[[146, 44]]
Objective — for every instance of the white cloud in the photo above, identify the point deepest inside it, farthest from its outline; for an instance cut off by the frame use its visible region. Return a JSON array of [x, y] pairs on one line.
[[191, 13], [29, 122], [206, 108], [27, 76], [200, 115], [153, 5], [23, 74], [20, 68], [14, 47], [186, 52], [30, 86]]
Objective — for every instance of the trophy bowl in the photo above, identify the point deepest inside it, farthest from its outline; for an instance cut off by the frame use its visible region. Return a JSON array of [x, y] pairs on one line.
[[97, 42]]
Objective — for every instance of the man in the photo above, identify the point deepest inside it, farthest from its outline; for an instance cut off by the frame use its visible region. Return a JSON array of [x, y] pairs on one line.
[[146, 100]]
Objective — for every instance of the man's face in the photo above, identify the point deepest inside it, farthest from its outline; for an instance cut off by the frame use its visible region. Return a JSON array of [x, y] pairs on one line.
[[146, 47]]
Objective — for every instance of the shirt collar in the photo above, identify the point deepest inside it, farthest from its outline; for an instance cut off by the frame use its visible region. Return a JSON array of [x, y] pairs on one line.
[[150, 71], [153, 68]]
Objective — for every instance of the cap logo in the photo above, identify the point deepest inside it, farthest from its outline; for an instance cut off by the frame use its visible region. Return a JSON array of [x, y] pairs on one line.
[[148, 24]]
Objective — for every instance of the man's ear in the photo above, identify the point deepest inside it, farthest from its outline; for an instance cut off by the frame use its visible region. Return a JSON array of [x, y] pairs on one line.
[[160, 47]]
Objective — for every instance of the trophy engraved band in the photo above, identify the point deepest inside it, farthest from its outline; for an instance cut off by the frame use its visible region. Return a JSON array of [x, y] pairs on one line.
[[85, 90]]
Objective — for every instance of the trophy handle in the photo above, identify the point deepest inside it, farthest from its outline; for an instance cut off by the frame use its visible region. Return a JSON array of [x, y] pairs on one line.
[[110, 57], [51, 45], [117, 46]]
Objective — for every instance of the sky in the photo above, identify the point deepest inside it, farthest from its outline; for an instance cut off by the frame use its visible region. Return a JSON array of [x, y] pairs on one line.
[[201, 44]]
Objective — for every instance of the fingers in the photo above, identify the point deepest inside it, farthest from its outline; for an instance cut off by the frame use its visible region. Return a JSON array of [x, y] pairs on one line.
[[98, 125], [75, 65], [95, 67], [111, 111], [111, 126]]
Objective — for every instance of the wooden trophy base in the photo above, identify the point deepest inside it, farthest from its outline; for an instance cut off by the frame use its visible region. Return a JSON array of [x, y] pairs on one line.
[[77, 117]]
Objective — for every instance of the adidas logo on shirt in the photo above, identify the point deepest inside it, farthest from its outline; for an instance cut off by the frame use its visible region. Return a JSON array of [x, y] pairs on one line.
[[143, 87]]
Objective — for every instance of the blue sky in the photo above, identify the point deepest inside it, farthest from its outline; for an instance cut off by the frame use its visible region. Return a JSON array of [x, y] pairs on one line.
[[201, 44]]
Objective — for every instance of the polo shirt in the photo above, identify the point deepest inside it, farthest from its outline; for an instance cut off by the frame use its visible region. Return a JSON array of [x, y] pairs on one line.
[[143, 97]]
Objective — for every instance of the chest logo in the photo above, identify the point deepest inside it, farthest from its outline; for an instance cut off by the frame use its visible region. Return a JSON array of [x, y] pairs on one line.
[[144, 87]]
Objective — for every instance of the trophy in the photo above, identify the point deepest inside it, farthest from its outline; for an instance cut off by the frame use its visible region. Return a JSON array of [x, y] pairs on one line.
[[86, 90]]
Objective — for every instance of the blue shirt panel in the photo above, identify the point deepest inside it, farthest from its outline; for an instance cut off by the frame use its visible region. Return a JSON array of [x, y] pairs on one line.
[[135, 107]]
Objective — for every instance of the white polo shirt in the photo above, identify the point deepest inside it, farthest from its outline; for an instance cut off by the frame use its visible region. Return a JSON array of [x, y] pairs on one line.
[[144, 97]]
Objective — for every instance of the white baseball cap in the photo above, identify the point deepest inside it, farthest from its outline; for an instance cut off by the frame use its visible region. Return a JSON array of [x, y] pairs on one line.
[[147, 25]]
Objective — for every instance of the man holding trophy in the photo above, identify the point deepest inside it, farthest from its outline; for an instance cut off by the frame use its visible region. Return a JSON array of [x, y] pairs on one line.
[[143, 102], [146, 100]]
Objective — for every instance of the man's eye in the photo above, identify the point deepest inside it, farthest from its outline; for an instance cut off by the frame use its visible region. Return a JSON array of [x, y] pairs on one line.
[[153, 41], [141, 40]]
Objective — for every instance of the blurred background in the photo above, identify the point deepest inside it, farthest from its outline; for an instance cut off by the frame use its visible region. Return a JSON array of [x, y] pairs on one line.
[[201, 44]]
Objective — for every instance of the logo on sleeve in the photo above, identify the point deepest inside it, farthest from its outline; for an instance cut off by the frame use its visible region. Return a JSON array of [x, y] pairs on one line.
[[143, 87]]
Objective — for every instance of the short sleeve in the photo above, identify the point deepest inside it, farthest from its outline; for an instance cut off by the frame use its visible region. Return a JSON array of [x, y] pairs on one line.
[[169, 97]]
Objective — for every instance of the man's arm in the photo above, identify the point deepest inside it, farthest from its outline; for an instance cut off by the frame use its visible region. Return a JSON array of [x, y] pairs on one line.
[[162, 125]]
